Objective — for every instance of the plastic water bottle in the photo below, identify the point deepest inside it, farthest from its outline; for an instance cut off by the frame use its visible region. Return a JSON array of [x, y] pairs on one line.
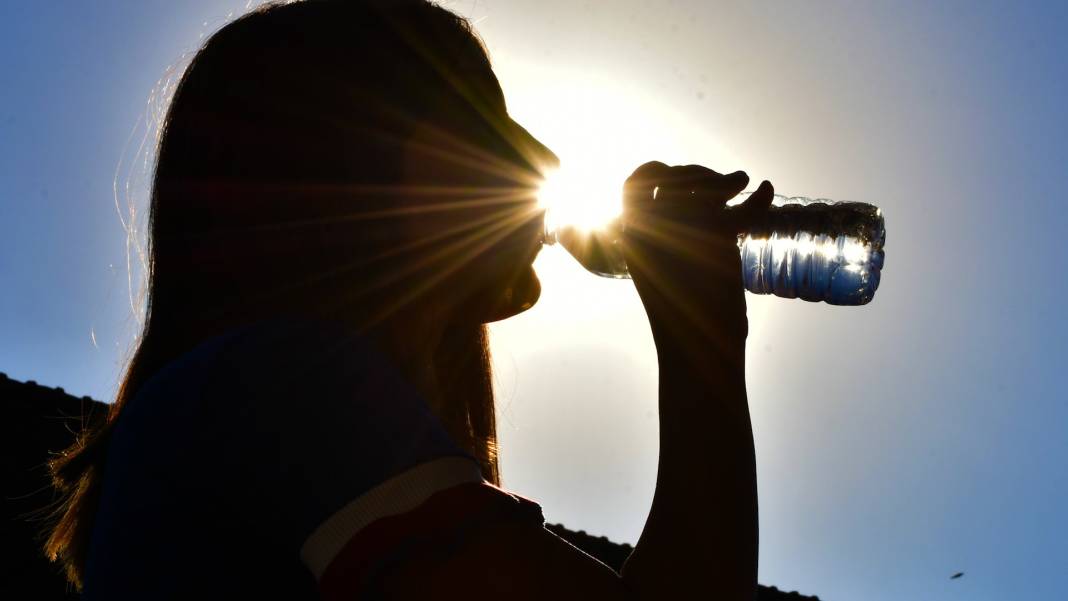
[[812, 249]]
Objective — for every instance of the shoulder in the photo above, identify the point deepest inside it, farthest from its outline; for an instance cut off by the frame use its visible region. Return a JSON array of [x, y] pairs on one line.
[[493, 556], [470, 536]]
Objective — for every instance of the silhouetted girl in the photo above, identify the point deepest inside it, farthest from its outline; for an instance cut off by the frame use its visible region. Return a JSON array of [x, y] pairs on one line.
[[340, 203]]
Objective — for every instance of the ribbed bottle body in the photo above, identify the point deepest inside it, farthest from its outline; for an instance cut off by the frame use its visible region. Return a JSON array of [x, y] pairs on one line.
[[815, 250], [837, 270]]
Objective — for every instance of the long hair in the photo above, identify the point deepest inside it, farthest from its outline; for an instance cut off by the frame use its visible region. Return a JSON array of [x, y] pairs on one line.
[[278, 175]]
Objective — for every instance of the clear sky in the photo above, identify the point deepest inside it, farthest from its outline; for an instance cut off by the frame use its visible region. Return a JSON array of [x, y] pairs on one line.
[[898, 443]]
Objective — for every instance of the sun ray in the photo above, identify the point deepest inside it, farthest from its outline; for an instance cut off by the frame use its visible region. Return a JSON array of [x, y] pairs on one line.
[[438, 275], [685, 239], [484, 233], [466, 198], [441, 234]]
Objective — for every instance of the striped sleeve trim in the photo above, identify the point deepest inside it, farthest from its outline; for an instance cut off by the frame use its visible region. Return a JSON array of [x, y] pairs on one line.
[[398, 495]]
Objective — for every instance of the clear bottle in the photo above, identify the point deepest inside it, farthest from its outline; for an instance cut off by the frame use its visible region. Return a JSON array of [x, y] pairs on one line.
[[812, 249]]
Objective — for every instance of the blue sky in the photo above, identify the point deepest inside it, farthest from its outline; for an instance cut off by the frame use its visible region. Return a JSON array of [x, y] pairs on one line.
[[898, 443]]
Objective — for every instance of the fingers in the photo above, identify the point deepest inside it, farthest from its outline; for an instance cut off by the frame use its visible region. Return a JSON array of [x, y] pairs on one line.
[[735, 182], [694, 196], [681, 190], [759, 201], [752, 213], [641, 186], [648, 171], [694, 182], [654, 179], [707, 185]]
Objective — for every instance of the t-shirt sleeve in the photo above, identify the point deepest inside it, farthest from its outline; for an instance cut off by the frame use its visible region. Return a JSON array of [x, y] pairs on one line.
[[401, 518], [332, 448]]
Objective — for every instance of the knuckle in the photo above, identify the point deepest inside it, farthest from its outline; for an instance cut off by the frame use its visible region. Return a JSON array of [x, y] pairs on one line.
[[647, 169]]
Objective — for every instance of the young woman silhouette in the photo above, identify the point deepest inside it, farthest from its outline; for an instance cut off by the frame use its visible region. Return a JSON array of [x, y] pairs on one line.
[[340, 203]]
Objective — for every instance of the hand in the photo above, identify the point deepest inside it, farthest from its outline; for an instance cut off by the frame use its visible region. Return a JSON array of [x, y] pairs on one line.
[[680, 243]]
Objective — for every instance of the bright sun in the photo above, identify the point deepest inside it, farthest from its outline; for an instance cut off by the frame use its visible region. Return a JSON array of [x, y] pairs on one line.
[[584, 196], [602, 128]]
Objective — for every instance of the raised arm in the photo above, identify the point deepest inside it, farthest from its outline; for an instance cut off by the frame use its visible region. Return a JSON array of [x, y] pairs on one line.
[[701, 533], [700, 538]]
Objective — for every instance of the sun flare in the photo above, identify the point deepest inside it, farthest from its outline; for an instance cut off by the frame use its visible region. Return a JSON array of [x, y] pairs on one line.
[[580, 195], [602, 128]]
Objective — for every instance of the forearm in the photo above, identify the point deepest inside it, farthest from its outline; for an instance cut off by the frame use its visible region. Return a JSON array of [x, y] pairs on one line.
[[701, 533]]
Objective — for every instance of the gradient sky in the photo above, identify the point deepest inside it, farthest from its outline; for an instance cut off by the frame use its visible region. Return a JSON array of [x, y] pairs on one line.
[[897, 443]]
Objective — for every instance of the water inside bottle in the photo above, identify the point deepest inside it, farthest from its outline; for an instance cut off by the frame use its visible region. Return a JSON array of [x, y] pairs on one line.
[[813, 249], [839, 270]]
